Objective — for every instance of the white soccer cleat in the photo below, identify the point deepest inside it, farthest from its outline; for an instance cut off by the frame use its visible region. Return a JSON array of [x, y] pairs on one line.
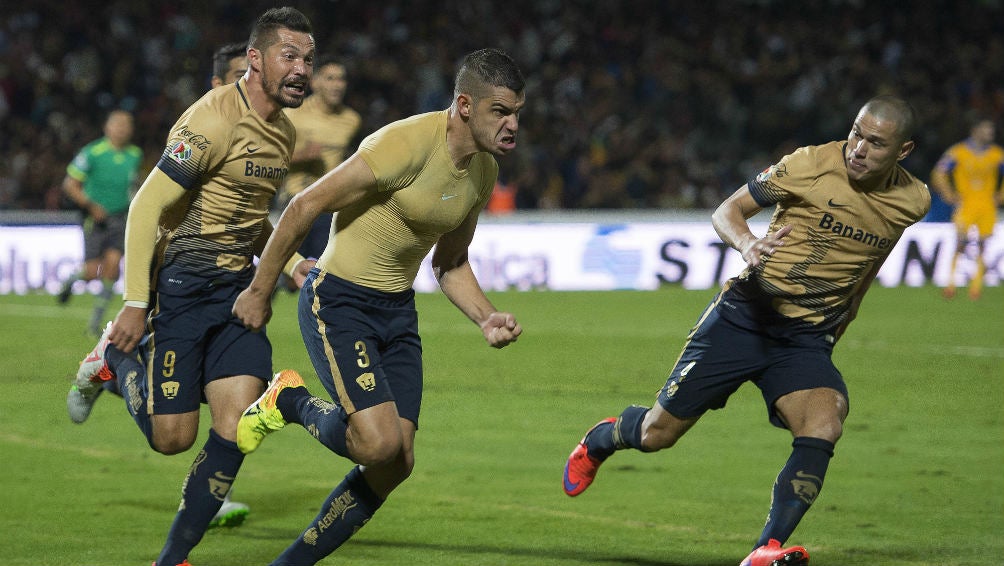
[[91, 374], [93, 370], [79, 405], [231, 514]]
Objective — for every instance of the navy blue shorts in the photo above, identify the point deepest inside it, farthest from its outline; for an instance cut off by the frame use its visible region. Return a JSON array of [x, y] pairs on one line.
[[720, 356], [363, 343], [194, 339]]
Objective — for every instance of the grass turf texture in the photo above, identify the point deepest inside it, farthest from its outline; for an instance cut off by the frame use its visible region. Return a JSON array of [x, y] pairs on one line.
[[918, 478]]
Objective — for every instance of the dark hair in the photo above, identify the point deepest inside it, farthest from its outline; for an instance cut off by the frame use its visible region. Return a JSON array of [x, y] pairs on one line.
[[891, 107], [265, 31], [225, 54], [487, 68]]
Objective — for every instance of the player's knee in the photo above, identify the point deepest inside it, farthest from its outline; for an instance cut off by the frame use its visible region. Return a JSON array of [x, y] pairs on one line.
[[171, 445], [172, 441], [831, 429], [376, 451]]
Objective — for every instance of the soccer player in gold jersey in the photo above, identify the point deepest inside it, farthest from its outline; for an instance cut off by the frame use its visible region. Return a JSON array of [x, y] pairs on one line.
[[325, 130], [970, 176], [839, 208], [414, 184], [192, 232], [230, 62]]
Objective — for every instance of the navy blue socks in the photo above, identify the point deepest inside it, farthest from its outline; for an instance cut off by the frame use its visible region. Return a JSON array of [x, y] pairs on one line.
[[606, 438], [796, 487], [346, 510], [323, 419], [202, 494], [130, 378]]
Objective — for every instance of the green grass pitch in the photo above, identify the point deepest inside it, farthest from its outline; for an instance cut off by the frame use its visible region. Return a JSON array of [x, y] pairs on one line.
[[918, 478]]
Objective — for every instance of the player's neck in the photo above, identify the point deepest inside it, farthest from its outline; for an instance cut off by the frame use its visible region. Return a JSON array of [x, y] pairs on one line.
[[260, 101], [977, 145], [459, 141], [875, 185]]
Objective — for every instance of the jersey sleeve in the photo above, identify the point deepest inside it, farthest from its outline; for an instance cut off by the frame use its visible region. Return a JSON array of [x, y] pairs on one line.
[[786, 180], [80, 167], [197, 143]]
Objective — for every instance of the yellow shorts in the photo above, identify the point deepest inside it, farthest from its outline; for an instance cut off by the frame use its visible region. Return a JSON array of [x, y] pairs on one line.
[[982, 216]]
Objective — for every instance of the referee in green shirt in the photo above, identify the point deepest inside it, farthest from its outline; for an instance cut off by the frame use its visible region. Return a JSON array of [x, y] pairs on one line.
[[99, 180]]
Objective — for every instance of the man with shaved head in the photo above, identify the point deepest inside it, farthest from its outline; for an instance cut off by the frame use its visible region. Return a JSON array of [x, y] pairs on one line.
[[839, 208]]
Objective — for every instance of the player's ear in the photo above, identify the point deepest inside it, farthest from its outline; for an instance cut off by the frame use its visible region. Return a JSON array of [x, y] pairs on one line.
[[465, 105], [905, 149], [254, 59]]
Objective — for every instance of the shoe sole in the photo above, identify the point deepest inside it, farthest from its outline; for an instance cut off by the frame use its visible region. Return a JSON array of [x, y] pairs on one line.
[[230, 520], [792, 559]]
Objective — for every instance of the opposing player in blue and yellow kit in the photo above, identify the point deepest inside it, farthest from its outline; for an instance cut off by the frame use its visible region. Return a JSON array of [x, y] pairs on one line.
[[193, 230], [100, 180], [970, 176], [414, 184], [839, 210]]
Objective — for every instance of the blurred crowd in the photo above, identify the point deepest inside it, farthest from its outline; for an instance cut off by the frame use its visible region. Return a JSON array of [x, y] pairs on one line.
[[637, 104]]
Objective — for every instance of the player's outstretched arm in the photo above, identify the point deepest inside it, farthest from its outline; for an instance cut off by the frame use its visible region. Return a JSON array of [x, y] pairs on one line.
[[342, 186]]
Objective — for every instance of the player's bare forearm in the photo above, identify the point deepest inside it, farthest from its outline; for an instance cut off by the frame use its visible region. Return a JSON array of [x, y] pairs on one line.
[[462, 288], [730, 221], [281, 245]]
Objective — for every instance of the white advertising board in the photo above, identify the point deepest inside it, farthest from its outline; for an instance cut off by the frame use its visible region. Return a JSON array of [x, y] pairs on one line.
[[556, 256]]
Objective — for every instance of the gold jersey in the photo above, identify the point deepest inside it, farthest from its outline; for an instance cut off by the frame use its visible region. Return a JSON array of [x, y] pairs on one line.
[[380, 241], [332, 130], [839, 232], [231, 161]]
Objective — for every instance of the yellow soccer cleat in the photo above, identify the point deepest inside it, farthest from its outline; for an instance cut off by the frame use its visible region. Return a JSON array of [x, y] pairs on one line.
[[263, 416]]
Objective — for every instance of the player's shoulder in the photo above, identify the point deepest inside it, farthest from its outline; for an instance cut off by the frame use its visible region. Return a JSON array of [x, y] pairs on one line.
[[419, 123], [94, 146], [917, 195], [228, 103], [210, 119], [812, 161], [959, 150], [827, 153], [416, 131], [350, 114]]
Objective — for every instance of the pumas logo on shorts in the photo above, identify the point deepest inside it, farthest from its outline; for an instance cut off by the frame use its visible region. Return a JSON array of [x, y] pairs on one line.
[[367, 381], [170, 389]]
